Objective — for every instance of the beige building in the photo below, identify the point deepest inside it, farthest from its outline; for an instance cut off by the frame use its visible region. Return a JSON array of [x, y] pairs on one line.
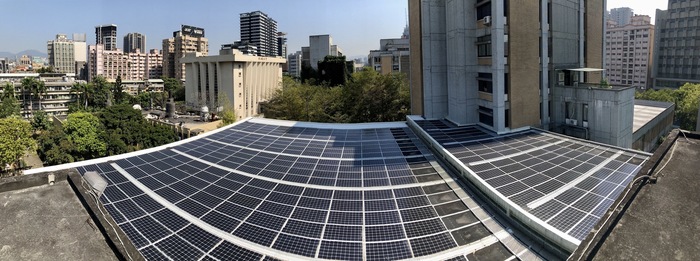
[[154, 64], [108, 64], [67, 55], [188, 40], [244, 80], [136, 65], [56, 99], [392, 56], [629, 51]]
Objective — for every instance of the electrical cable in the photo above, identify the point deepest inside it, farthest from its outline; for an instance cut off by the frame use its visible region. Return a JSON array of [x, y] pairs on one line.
[[98, 204]]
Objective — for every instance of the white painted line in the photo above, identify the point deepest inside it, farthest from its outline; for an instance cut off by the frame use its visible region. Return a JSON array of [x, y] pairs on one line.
[[516, 154], [441, 181], [538, 202]]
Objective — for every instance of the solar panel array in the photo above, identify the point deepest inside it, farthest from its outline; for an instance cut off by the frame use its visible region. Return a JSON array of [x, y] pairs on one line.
[[255, 189], [566, 183]]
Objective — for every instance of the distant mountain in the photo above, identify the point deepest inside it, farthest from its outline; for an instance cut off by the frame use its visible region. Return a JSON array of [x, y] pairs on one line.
[[33, 53]]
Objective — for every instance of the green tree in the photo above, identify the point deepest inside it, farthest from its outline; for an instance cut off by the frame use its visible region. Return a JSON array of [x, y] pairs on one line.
[[372, 97], [9, 105], [333, 70], [126, 130], [41, 121], [83, 130], [36, 87], [83, 91], [118, 90], [228, 112], [15, 141], [171, 85], [100, 92], [54, 147]]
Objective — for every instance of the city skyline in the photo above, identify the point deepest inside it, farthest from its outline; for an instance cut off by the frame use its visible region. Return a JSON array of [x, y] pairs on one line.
[[347, 21]]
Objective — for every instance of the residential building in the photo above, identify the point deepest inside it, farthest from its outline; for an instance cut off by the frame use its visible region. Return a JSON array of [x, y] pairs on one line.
[[80, 55], [154, 64], [61, 52], [628, 53], [107, 36], [108, 64], [189, 39], [282, 44], [245, 80], [294, 64], [56, 99], [134, 42], [489, 63], [258, 29], [134, 87], [319, 47], [676, 50], [282, 49], [136, 66], [621, 15], [392, 56], [245, 47]]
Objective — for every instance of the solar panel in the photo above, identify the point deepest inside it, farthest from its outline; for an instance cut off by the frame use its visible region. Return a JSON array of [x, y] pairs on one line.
[[264, 191], [562, 182]]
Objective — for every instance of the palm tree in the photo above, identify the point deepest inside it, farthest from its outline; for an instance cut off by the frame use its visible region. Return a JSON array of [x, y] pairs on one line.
[[31, 85], [39, 90], [83, 90]]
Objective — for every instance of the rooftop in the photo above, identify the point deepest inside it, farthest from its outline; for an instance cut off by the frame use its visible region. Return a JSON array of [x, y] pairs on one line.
[[48, 222], [271, 189], [645, 111], [656, 220]]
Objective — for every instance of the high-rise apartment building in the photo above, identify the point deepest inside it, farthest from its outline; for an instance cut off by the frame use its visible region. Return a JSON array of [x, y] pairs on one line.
[[628, 52], [61, 52], [621, 15], [134, 42], [106, 35], [294, 64], [505, 67], [258, 29], [106, 63], [282, 44], [189, 39], [154, 64], [676, 49]]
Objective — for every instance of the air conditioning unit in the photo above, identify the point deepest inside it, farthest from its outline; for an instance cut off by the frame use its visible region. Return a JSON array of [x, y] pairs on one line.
[[571, 122], [585, 124], [487, 20]]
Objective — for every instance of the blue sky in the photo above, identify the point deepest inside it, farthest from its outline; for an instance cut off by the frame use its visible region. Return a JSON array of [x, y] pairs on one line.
[[356, 26]]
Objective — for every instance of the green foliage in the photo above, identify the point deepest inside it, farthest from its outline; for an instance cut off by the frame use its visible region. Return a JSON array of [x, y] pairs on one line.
[[686, 98], [172, 85], [84, 91], [368, 97], [9, 106], [41, 121], [36, 87], [84, 131], [101, 93], [54, 147], [228, 114], [126, 130], [118, 91], [333, 70], [15, 140], [48, 69]]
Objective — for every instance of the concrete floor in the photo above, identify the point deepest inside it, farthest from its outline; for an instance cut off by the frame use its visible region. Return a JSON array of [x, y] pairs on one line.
[[48, 223]]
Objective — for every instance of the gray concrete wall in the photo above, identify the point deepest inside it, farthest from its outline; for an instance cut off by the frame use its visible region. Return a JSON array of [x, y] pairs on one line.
[[433, 26], [461, 65], [565, 32], [610, 112]]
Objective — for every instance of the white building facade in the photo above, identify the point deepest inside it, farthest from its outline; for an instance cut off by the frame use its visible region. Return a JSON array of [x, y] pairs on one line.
[[244, 80], [629, 53]]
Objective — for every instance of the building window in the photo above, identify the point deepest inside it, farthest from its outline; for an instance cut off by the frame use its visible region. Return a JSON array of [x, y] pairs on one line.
[[584, 112], [485, 116], [485, 81], [483, 45], [239, 74], [483, 10]]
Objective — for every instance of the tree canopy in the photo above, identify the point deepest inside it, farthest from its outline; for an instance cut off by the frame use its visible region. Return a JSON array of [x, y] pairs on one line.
[[367, 96], [15, 140], [686, 98], [9, 105], [83, 130]]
